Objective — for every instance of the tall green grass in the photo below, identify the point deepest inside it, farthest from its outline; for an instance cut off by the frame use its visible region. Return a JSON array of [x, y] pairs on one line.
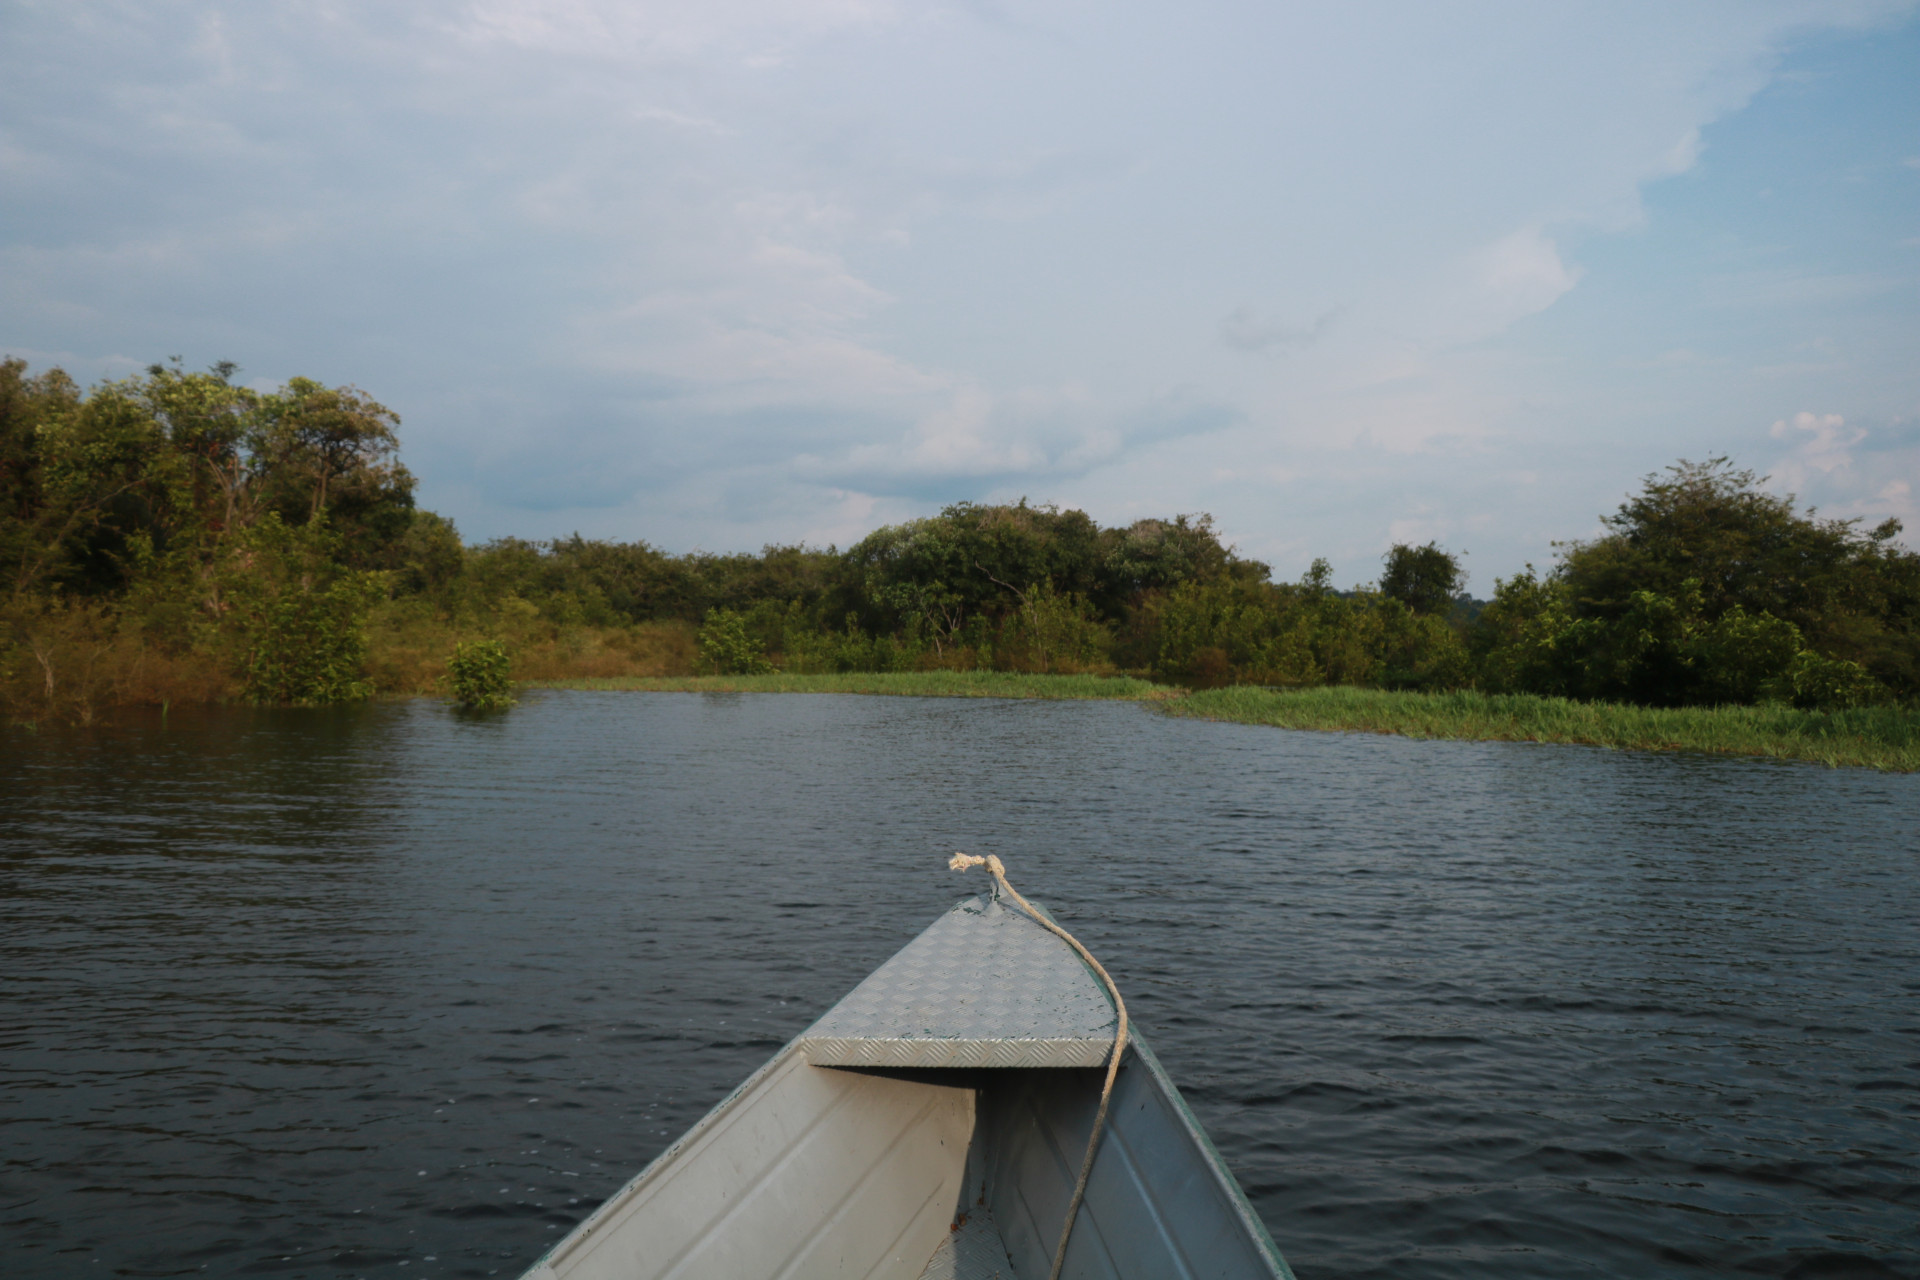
[[1870, 737], [922, 684]]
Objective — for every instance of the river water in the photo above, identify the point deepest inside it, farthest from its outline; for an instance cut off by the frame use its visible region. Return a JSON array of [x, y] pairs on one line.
[[389, 991]]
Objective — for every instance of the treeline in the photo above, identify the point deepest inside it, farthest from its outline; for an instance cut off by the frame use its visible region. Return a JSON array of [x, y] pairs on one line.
[[175, 536]]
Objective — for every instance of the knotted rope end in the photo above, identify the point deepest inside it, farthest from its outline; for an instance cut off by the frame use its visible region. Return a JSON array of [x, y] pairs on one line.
[[964, 861]]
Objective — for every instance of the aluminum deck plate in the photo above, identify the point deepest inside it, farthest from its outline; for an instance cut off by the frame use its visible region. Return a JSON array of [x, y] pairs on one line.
[[972, 1250], [984, 986]]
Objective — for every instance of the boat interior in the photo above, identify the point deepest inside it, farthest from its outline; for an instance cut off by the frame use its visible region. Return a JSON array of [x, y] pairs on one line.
[[928, 1174], [931, 1126]]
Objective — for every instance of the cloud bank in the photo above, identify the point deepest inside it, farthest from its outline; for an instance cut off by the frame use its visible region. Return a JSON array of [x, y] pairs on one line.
[[738, 272]]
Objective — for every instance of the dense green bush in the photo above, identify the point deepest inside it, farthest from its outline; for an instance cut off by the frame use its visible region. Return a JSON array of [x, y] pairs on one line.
[[1818, 683], [727, 650], [310, 644], [305, 612], [1051, 631], [481, 674]]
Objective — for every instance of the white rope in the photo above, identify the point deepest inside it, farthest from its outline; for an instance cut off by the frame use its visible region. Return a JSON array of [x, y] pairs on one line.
[[960, 862]]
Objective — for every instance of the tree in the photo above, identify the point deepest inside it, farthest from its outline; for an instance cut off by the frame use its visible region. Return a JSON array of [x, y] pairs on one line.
[[302, 612], [1155, 555], [105, 494], [334, 450], [1425, 579], [1852, 595]]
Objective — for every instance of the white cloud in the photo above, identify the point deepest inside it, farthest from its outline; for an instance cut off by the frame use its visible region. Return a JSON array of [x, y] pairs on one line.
[[787, 265], [1820, 466], [1518, 275], [1827, 444]]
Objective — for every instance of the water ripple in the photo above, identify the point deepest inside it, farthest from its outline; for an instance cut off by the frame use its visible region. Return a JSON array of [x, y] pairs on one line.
[[388, 991]]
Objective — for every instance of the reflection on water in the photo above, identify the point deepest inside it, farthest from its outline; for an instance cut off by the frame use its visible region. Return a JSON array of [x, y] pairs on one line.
[[389, 991]]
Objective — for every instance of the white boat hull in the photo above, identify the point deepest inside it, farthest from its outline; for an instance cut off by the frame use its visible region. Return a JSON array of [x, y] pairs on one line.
[[837, 1161]]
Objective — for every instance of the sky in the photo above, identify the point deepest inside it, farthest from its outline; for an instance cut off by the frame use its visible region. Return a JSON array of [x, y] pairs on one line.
[[733, 273]]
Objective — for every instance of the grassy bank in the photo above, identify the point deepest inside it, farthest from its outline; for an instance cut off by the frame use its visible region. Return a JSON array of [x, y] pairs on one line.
[[921, 684], [1869, 737], [82, 660]]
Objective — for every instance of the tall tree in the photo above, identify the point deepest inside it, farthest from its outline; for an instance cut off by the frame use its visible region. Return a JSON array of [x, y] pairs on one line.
[[1425, 579], [1853, 594]]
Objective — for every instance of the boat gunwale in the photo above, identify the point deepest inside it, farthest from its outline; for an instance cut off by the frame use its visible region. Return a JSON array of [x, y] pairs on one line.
[[616, 1205], [1211, 1157]]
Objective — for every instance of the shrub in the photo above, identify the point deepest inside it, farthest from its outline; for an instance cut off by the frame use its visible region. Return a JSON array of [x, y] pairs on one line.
[[1418, 650], [1740, 657], [482, 676], [309, 645], [1820, 683], [727, 650], [1053, 631]]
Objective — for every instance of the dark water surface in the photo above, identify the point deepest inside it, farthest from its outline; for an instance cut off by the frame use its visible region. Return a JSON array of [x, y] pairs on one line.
[[389, 992]]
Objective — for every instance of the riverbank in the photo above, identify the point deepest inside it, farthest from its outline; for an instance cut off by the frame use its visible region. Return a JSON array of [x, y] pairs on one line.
[[1867, 737], [1885, 738], [910, 684]]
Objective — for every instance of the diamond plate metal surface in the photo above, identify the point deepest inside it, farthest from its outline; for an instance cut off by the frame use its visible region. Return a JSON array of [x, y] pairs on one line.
[[972, 1250], [984, 986]]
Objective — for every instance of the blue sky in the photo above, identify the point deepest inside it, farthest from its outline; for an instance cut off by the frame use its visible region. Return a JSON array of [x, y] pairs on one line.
[[732, 273]]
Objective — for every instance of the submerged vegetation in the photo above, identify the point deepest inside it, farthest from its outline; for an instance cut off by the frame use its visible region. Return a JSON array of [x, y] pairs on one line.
[[178, 537], [482, 675]]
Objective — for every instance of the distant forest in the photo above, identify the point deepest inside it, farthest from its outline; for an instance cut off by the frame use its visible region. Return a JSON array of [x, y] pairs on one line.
[[176, 537]]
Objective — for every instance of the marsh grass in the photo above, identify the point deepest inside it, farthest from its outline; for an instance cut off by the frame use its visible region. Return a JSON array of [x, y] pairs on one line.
[[408, 648], [73, 662], [1885, 737], [922, 684]]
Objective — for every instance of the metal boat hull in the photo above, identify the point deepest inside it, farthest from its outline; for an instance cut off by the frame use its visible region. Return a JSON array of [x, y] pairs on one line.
[[876, 1145], [831, 1172]]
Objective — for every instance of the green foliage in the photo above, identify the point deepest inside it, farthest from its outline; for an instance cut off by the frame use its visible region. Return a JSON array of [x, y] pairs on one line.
[[1658, 650], [1877, 737], [1416, 650], [310, 643], [1049, 631], [976, 564], [1515, 642], [839, 651], [1818, 683], [1425, 579], [1207, 634], [482, 675], [1236, 631], [184, 518], [936, 683], [726, 649], [301, 613], [1742, 658], [157, 473], [1852, 595], [428, 557], [1708, 591]]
